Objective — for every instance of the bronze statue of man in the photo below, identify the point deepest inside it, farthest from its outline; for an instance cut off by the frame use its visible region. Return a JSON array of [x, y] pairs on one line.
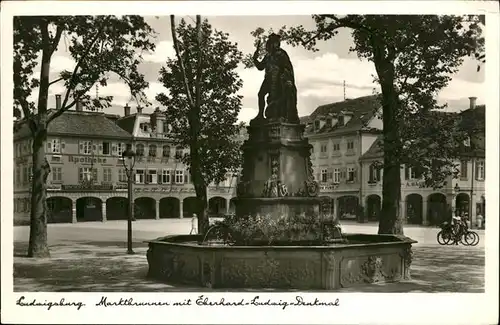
[[278, 84]]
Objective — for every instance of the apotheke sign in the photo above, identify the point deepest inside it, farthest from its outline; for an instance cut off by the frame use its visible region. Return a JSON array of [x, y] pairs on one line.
[[85, 159]]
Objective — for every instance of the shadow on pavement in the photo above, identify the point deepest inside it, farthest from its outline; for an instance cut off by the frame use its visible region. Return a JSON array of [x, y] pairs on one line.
[[88, 266]]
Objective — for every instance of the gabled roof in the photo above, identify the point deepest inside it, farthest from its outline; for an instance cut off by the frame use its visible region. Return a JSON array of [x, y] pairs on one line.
[[362, 110], [80, 124], [375, 150], [127, 122]]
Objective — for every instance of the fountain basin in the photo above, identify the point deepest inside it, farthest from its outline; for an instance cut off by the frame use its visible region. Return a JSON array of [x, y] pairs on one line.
[[364, 259]]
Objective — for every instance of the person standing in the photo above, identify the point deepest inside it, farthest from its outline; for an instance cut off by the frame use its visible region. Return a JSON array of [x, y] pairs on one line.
[[479, 219], [194, 225]]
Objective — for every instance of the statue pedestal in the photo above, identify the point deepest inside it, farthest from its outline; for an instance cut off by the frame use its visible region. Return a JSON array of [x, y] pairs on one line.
[[277, 207], [277, 172]]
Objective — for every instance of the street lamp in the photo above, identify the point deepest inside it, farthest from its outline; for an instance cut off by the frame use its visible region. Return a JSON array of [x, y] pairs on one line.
[[129, 162]]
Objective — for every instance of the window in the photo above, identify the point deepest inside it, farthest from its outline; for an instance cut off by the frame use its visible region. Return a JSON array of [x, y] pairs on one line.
[[85, 174], [463, 169], [336, 147], [336, 175], [467, 142], [340, 121], [178, 153], [324, 175], [328, 122], [55, 146], [85, 147], [57, 174], [165, 176], [25, 174], [412, 173], [323, 148], [351, 174], [122, 175], [17, 180], [186, 178], [166, 151], [106, 175], [139, 176], [480, 170], [120, 148], [312, 149], [350, 145], [316, 124], [374, 174], [152, 177], [139, 150], [152, 150], [179, 176], [106, 148]]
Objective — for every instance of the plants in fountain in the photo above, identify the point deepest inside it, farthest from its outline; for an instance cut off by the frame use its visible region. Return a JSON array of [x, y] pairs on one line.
[[255, 230]]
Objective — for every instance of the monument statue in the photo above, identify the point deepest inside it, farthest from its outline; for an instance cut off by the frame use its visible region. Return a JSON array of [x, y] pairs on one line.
[[278, 84]]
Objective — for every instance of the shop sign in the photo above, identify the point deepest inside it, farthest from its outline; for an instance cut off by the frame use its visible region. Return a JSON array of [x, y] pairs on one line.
[[85, 159]]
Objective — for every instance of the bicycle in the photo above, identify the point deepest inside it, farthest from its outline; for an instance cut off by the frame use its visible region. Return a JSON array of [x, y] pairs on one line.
[[450, 235], [470, 238]]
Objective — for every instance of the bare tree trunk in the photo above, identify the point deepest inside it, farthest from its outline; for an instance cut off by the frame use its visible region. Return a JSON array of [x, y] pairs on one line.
[[391, 220], [38, 246]]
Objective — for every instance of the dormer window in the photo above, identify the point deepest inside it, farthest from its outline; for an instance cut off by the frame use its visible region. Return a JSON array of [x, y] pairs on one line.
[[328, 122], [316, 124], [340, 120], [144, 127]]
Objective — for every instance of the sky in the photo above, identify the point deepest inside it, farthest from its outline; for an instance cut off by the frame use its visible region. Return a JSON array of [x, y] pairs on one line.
[[319, 75]]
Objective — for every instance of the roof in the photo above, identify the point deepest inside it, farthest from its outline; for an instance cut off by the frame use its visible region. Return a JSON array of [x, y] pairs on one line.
[[375, 150], [362, 109], [72, 123], [474, 118], [127, 123]]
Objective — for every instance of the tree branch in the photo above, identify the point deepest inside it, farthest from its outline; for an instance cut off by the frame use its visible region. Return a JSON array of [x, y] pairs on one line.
[[200, 66], [56, 39], [181, 62], [61, 111], [71, 86], [55, 81]]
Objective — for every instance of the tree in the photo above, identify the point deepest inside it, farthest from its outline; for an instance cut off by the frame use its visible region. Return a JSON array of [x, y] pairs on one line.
[[99, 45], [414, 57], [203, 105]]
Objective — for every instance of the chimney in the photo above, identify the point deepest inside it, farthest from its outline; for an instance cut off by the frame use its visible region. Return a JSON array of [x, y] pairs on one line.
[[139, 109], [78, 106], [127, 110], [58, 102], [472, 102]]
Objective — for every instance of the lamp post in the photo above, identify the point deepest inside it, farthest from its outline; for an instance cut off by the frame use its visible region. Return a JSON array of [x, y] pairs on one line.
[[129, 162]]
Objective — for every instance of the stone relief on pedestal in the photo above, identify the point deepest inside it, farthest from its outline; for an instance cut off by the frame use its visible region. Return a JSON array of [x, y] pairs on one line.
[[407, 257], [274, 187]]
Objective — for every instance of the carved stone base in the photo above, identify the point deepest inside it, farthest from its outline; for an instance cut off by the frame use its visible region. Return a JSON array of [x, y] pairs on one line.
[[369, 259]]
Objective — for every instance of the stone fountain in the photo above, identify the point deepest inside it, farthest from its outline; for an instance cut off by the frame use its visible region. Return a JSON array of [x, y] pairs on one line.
[[277, 180]]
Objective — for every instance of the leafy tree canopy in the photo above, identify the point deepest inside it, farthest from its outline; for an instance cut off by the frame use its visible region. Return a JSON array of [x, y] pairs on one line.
[[99, 45]]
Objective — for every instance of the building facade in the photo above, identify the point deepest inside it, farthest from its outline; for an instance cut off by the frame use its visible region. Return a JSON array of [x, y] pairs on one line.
[[88, 182], [340, 134], [463, 195], [346, 137]]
